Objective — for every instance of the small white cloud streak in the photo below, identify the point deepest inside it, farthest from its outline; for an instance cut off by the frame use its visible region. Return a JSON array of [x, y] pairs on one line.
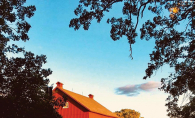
[[133, 90], [129, 90], [150, 86]]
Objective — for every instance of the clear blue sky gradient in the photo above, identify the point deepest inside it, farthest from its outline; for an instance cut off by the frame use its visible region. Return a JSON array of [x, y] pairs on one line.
[[90, 57]]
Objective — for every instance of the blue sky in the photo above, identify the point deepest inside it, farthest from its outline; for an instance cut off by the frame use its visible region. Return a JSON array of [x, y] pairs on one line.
[[91, 62]]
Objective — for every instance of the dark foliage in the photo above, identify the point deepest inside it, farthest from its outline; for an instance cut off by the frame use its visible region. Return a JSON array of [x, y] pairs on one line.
[[22, 79], [175, 47]]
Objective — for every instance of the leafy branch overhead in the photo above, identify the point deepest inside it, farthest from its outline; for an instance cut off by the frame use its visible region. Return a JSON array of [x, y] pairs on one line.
[[173, 46]]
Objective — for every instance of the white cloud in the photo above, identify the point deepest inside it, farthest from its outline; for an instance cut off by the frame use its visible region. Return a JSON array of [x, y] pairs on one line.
[[134, 90], [150, 85]]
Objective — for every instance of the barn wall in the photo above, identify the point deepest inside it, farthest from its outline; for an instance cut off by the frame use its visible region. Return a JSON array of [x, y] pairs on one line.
[[96, 115], [75, 110]]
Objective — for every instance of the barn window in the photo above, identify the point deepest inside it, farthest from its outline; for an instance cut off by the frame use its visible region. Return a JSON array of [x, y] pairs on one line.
[[66, 105], [56, 91]]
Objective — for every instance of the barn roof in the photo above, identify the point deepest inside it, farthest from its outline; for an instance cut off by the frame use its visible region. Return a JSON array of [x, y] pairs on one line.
[[88, 103]]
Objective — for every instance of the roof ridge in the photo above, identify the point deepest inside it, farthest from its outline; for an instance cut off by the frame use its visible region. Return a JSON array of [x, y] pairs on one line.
[[75, 93]]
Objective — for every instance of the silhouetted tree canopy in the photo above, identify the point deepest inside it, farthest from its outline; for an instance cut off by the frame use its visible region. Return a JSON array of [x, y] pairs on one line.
[[127, 113], [174, 47], [22, 78]]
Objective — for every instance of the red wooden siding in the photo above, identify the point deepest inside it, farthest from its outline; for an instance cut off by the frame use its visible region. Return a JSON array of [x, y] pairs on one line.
[[74, 110], [96, 115]]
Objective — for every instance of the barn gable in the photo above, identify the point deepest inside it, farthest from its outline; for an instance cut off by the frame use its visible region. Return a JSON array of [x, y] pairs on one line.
[[85, 104]]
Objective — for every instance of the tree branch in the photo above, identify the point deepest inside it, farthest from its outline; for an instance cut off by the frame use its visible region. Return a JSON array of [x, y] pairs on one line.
[[142, 12]]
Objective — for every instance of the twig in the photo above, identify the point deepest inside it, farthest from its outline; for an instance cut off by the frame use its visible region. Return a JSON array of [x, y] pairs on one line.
[[142, 11], [131, 52], [187, 26]]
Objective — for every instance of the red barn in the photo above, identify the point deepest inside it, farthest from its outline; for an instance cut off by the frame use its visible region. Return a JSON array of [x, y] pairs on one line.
[[79, 106]]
